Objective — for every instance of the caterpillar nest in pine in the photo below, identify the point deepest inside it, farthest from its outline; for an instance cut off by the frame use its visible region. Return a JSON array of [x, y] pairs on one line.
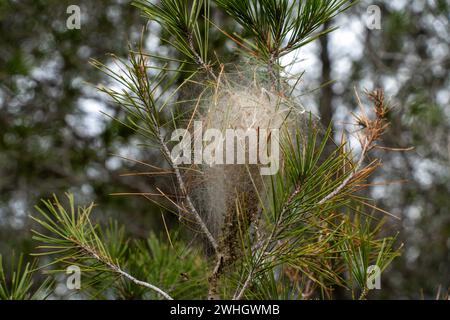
[[229, 194]]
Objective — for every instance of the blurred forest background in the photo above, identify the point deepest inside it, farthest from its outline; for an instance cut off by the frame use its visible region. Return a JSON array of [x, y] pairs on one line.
[[54, 137]]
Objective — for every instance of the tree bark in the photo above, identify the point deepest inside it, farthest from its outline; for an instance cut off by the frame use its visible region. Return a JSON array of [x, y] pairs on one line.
[[326, 92]]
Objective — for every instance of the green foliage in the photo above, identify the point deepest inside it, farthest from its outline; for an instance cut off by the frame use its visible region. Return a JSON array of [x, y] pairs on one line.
[[104, 253], [18, 283], [279, 27], [74, 238], [142, 96], [364, 248], [188, 23], [171, 264], [317, 240]]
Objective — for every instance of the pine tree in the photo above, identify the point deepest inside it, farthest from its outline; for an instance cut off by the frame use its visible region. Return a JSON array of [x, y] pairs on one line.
[[297, 234]]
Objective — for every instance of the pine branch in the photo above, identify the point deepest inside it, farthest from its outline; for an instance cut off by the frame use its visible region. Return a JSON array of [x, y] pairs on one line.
[[115, 268], [182, 186], [239, 295], [356, 171], [198, 59], [74, 236], [373, 130], [213, 291], [141, 99]]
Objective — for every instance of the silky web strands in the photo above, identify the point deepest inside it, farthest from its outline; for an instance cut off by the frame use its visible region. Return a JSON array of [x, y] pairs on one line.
[[245, 115]]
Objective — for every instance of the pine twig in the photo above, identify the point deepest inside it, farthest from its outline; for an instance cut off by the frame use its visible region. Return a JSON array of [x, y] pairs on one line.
[[189, 202], [244, 287], [239, 294], [199, 59], [349, 178], [364, 294], [115, 268], [213, 292], [373, 130]]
